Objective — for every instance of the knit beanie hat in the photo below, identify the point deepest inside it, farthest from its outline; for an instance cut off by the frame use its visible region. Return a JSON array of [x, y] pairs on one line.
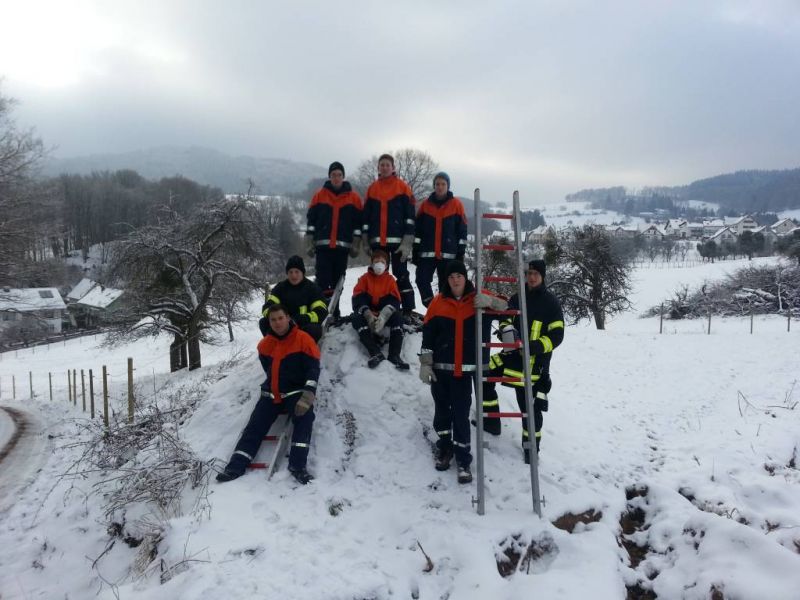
[[335, 166], [295, 262], [442, 175], [538, 265], [456, 266]]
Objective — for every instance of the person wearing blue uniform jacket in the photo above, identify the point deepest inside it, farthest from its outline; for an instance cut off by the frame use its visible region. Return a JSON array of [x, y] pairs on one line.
[[290, 359], [448, 363], [389, 207], [440, 235], [333, 228]]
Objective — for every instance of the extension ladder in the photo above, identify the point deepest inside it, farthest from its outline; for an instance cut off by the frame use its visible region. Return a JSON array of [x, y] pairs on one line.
[[522, 344]]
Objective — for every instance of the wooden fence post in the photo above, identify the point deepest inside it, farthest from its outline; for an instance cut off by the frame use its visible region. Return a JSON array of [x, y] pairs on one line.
[[130, 390], [83, 390], [661, 320], [30, 383], [91, 393], [69, 386], [105, 396], [75, 387], [13, 387], [50, 378], [709, 323]]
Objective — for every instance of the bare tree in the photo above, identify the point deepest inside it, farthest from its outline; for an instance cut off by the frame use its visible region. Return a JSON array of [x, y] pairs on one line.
[[20, 153], [179, 274], [591, 278], [414, 166]]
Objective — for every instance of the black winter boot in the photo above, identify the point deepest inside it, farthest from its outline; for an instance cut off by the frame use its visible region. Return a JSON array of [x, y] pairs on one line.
[[395, 346], [443, 457], [235, 468], [374, 351], [301, 475]]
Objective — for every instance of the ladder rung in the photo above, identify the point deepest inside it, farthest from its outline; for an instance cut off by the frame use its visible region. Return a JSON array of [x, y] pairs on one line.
[[271, 438], [504, 247], [517, 344], [499, 279], [509, 312], [506, 415], [497, 216], [257, 465], [502, 379]]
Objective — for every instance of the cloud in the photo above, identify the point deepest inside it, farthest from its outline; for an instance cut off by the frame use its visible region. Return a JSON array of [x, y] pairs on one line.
[[543, 96]]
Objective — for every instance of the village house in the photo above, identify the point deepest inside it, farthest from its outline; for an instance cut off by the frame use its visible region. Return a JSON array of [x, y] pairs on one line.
[[35, 308], [92, 304]]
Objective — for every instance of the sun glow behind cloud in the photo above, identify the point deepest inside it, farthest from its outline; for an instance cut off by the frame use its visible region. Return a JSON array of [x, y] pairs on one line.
[[57, 45]]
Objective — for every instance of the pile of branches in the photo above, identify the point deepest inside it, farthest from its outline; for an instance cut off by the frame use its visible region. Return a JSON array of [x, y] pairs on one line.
[[765, 289]]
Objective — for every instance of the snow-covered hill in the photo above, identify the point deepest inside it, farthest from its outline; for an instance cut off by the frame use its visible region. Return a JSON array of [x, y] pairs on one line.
[[679, 451]]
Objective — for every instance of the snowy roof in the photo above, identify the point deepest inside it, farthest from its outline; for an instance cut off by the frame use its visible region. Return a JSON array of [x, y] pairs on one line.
[[100, 297], [722, 232], [31, 299], [80, 290]]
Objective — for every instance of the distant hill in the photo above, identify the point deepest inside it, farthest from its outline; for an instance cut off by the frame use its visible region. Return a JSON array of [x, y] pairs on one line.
[[743, 191], [230, 173]]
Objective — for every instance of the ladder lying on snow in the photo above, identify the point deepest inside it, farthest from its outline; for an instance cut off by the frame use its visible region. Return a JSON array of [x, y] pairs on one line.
[[275, 443], [523, 345]]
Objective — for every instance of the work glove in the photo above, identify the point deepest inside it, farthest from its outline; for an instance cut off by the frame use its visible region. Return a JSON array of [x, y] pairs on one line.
[[545, 383], [302, 320], [306, 400], [365, 243], [426, 374], [356, 247], [310, 248], [383, 316], [405, 248], [488, 301], [369, 317]]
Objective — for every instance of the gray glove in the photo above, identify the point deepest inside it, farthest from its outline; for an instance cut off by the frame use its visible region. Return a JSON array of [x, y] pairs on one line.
[[310, 249], [383, 316], [426, 374], [365, 243], [369, 317], [306, 401], [490, 302], [356, 247], [405, 248]]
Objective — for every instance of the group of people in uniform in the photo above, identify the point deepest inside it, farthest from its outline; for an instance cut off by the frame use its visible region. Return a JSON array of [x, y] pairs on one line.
[[392, 231]]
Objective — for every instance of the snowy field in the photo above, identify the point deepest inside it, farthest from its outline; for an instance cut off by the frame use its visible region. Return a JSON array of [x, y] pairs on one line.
[[676, 454]]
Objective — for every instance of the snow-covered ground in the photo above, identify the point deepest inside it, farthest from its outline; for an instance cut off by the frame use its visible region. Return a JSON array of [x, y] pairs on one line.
[[684, 445]]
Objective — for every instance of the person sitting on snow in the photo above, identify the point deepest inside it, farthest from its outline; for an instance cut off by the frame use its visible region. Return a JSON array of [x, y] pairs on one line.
[[376, 304], [302, 298], [290, 358]]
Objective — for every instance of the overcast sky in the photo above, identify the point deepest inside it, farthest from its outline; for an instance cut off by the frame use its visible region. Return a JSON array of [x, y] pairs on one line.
[[544, 96]]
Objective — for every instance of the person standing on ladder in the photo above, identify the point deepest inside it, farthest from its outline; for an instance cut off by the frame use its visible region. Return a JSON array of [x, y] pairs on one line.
[[389, 226], [440, 236], [546, 334], [290, 359], [333, 228], [447, 363]]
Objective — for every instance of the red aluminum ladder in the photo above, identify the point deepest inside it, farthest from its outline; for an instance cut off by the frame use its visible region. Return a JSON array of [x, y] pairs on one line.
[[523, 345]]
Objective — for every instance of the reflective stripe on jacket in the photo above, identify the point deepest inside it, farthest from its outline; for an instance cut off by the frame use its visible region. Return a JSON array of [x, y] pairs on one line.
[[303, 301]]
